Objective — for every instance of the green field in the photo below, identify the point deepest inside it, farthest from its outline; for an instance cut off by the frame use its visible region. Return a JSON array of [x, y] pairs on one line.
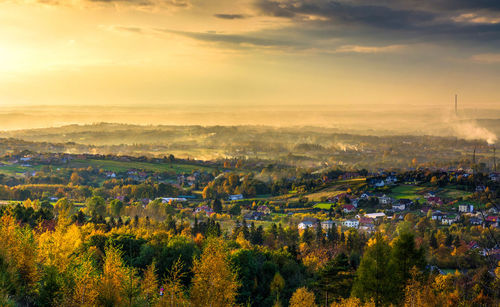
[[453, 193], [17, 170], [324, 206], [121, 166], [407, 191]]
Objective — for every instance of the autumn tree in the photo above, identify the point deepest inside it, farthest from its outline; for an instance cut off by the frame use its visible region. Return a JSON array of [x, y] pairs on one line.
[[303, 298], [214, 283]]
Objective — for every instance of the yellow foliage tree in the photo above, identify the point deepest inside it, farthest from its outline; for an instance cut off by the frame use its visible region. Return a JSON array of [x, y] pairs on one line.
[[303, 298], [56, 247], [113, 275], [149, 285], [352, 302], [85, 277], [214, 283]]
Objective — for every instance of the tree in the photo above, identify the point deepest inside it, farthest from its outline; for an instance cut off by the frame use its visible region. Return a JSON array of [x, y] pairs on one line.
[[335, 279], [217, 205], [114, 276], [214, 283], [374, 276], [116, 207], [303, 298], [86, 280], [96, 206], [277, 286], [63, 207], [406, 256]]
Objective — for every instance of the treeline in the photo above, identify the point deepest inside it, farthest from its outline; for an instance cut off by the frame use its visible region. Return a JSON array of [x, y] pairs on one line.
[[98, 257]]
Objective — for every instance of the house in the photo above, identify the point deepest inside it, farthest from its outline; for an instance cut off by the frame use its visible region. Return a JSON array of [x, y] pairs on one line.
[[336, 198], [255, 216], [348, 208], [449, 219], [437, 216], [391, 180], [327, 224], [355, 202], [398, 207], [236, 197], [367, 227], [366, 195], [379, 183], [434, 200], [465, 208], [264, 209], [475, 221], [352, 223], [491, 221], [306, 224], [406, 202], [385, 200], [204, 209], [495, 176]]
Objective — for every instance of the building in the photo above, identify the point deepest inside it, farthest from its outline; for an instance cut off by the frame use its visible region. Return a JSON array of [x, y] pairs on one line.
[[449, 219], [327, 224], [385, 200], [236, 197], [348, 208], [306, 224], [352, 223], [398, 207], [464, 208]]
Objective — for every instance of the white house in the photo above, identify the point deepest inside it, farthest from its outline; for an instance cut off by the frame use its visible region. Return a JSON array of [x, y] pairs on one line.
[[351, 223], [398, 207], [305, 224], [465, 208], [236, 197]]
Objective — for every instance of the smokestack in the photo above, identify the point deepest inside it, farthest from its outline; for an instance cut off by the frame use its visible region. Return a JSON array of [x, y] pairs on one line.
[[456, 105], [474, 156], [494, 159]]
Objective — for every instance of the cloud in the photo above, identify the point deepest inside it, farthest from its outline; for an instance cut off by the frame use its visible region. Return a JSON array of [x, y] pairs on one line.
[[128, 3], [486, 58], [233, 39], [230, 16], [369, 49], [394, 20]]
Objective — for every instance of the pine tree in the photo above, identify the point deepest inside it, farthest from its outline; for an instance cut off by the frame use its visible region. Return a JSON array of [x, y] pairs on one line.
[[374, 276]]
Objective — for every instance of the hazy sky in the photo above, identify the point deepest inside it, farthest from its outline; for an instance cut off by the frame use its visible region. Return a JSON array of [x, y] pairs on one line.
[[192, 52]]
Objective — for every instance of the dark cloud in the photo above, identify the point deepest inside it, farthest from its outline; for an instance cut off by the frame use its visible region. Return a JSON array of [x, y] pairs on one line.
[[230, 16], [414, 20], [233, 39]]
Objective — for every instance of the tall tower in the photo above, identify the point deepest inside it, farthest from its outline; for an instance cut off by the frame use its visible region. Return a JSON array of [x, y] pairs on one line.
[[456, 105], [494, 159]]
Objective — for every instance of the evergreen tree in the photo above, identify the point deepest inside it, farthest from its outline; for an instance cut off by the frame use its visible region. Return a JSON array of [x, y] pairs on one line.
[[375, 278]]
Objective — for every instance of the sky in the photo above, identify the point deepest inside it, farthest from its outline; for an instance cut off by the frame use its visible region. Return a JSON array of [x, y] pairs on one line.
[[231, 53]]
